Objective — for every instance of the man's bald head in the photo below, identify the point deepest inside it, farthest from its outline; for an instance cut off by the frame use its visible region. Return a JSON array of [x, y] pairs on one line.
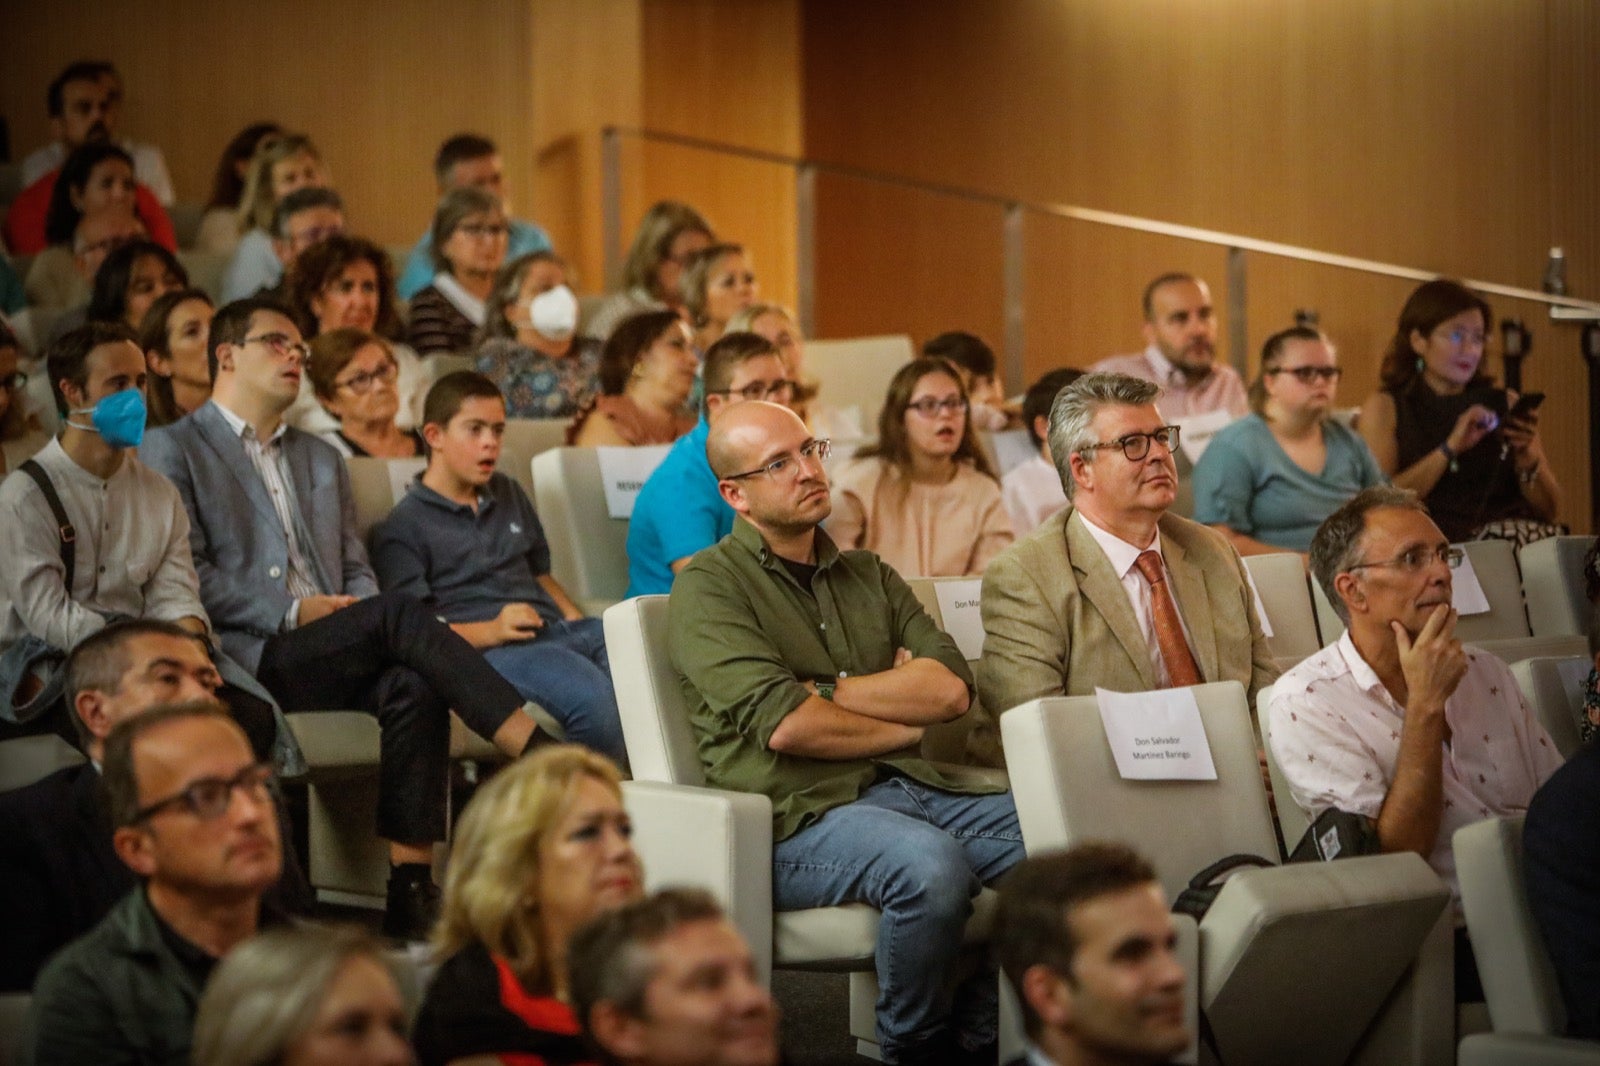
[[742, 433]]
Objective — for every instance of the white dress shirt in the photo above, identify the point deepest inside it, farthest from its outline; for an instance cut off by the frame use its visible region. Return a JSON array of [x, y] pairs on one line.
[[1032, 492], [1124, 557]]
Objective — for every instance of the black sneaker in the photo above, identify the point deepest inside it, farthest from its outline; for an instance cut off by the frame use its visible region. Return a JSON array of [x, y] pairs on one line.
[[411, 910]]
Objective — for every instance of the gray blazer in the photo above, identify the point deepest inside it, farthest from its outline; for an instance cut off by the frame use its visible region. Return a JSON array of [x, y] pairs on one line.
[[240, 550]]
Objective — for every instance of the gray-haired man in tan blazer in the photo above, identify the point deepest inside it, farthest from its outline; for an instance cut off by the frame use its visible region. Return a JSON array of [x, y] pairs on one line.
[[1115, 592]]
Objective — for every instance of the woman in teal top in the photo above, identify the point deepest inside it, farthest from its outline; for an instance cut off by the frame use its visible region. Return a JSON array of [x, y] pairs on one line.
[[1268, 480]]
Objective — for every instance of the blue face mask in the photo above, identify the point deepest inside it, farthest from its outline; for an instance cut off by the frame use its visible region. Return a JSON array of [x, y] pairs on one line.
[[119, 418]]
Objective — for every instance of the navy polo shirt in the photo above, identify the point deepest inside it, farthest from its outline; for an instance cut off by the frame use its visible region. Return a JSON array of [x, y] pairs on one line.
[[465, 564]]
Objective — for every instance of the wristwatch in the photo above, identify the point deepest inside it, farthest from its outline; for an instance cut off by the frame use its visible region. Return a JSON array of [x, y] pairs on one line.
[[825, 689]]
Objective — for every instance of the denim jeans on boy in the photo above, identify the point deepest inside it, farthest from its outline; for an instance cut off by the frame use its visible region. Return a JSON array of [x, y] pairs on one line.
[[919, 855], [566, 671]]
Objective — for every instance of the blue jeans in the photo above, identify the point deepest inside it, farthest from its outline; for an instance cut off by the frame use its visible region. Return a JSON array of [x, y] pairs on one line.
[[919, 855], [566, 671]]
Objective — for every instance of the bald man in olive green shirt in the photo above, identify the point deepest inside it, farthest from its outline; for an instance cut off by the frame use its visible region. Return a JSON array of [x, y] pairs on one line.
[[810, 675]]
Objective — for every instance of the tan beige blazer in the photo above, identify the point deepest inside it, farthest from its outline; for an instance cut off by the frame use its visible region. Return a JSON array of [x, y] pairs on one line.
[[1057, 621]]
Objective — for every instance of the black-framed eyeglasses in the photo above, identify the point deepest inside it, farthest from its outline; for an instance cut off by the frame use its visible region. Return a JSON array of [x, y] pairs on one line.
[[818, 449], [1418, 559], [781, 389], [282, 344], [209, 797], [492, 229], [931, 408], [1307, 374], [14, 380], [1135, 446], [362, 383]]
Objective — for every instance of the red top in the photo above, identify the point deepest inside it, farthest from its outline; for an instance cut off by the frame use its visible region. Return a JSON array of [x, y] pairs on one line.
[[24, 228]]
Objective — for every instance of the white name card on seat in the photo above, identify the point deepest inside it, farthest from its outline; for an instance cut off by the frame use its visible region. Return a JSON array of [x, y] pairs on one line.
[[1156, 736], [623, 472], [1466, 591], [402, 472], [1196, 431], [958, 609], [1261, 608]]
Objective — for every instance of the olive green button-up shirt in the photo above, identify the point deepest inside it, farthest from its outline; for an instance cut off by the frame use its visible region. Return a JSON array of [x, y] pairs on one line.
[[745, 637]]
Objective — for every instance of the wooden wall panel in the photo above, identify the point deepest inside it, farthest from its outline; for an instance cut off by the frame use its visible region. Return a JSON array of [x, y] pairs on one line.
[[1461, 136], [377, 84], [730, 73]]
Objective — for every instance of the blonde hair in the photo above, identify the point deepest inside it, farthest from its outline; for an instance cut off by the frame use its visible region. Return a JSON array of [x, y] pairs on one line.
[[494, 864], [744, 319], [257, 203], [266, 993]]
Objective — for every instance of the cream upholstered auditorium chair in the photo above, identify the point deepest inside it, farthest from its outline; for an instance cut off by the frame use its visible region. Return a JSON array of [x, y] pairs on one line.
[[1281, 582], [1518, 981], [1503, 630], [855, 372], [588, 548], [1312, 964], [1553, 687], [526, 438], [1292, 821], [1553, 581], [687, 833]]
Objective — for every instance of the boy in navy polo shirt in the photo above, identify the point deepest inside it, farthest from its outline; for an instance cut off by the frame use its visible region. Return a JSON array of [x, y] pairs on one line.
[[466, 541]]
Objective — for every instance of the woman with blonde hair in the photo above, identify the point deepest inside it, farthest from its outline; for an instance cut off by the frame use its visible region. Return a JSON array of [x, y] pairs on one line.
[[652, 277], [542, 848], [718, 283], [281, 165], [923, 496], [303, 996]]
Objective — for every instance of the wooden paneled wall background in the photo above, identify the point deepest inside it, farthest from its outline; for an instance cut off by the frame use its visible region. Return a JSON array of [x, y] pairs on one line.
[[1461, 136]]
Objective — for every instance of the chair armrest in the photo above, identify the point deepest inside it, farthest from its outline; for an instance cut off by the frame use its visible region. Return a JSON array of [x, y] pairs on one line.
[[1516, 1049], [712, 839]]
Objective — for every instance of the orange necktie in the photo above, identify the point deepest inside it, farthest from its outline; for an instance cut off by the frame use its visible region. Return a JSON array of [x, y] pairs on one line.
[[1181, 667]]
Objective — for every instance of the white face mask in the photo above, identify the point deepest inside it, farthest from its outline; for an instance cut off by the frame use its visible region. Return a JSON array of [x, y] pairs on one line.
[[554, 314]]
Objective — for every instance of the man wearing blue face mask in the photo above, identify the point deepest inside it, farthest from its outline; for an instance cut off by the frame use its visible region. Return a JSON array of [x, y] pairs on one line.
[[121, 545]]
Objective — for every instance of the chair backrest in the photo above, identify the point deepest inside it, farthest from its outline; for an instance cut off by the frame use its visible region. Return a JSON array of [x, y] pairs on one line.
[[373, 484], [1285, 593], [1067, 788], [16, 1027], [1292, 821], [186, 218], [524, 439], [655, 720], [1553, 581], [1519, 982], [588, 548], [24, 760], [856, 372], [1495, 563], [946, 742], [1553, 687], [205, 270]]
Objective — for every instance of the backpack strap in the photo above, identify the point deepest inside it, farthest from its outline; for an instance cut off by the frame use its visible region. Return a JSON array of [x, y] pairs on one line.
[[64, 527]]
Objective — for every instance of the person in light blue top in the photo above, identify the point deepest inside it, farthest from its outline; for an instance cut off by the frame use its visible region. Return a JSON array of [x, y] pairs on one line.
[[680, 510], [468, 159], [1268, 480]]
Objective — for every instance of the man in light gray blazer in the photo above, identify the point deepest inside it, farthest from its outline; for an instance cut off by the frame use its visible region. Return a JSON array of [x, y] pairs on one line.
[[285, 579], [1071, 607]]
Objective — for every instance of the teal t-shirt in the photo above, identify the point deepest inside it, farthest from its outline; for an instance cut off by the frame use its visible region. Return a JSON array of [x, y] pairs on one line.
[[1247, 482]]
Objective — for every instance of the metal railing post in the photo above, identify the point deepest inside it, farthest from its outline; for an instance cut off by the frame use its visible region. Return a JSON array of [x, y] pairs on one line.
[[1015, 283], [611, 202], [1238, 312], [805, 247]]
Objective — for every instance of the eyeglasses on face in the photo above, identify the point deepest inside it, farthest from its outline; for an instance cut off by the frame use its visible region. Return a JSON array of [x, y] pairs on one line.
[[478, 229], [931, 408], [1417, 559], [783, 465], [782, 389], [1308, 374], [1135, 446], [1464, 337], [208, 798], [13, 381], [362, 383], [282, 344]]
